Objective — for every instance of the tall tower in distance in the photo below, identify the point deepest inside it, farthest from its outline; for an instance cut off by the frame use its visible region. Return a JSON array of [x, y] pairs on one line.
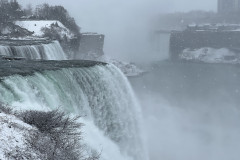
[[228, 6]]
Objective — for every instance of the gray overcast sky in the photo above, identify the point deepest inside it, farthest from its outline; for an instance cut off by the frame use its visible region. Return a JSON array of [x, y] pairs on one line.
[[89, 13], [122, 20]]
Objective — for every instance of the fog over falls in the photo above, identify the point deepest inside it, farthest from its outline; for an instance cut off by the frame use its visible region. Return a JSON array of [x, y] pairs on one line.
[[126, 24], [190, 109]]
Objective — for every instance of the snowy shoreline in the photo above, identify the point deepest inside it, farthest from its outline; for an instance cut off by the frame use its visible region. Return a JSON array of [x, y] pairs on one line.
[[210, 55]]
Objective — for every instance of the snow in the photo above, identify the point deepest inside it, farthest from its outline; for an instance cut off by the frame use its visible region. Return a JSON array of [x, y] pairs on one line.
[[26, 38], [12, 140], [211, 55], [37, 25], [129, 69]]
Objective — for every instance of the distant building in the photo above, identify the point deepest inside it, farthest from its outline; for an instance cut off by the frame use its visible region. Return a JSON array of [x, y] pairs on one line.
[[228, 6]]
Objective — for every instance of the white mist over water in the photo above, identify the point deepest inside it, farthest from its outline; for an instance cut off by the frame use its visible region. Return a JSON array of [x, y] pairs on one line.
[[51, 51], [188, 133], [101, 92], [191, 111]]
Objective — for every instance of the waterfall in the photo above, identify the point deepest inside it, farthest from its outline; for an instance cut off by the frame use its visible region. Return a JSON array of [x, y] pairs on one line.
[[51, 51], [160, 45], [101, 93]]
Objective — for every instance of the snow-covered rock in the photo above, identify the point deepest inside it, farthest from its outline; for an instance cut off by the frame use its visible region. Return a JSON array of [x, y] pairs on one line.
[[13, 139], [210, 55], [36, 26], [12, 30], [129, 69]]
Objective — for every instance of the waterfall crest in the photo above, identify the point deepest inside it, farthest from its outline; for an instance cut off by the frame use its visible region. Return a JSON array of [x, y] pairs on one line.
[[101, 92], [51, 51]]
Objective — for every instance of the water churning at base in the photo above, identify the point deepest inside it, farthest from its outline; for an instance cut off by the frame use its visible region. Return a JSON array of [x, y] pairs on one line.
[[101, 92]]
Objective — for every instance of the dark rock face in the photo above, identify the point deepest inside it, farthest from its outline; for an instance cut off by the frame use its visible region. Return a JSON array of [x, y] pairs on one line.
[[199, 39], [28, 67]]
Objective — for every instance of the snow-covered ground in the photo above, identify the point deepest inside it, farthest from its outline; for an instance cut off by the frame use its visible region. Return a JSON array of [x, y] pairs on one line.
[[211, 55], [36, 26], [13, 142]]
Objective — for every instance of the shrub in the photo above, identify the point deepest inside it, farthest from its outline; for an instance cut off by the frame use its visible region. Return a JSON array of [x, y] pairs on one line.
[[5, 109], [59, 137]]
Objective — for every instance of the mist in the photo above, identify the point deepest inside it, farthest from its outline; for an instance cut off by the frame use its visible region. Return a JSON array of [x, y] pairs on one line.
[[190, 110], [127, 25]]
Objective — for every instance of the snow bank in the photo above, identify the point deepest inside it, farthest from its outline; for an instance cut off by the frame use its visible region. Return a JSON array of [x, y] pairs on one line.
[[13, 138], [211, 55], [37, 26]]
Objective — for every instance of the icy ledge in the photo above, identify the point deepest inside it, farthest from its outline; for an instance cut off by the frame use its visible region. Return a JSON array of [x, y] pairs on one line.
[[211, 55]]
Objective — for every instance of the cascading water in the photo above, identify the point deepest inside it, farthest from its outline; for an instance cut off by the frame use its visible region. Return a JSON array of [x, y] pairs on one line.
[[51, 51], [101, 92], [160, 45]]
